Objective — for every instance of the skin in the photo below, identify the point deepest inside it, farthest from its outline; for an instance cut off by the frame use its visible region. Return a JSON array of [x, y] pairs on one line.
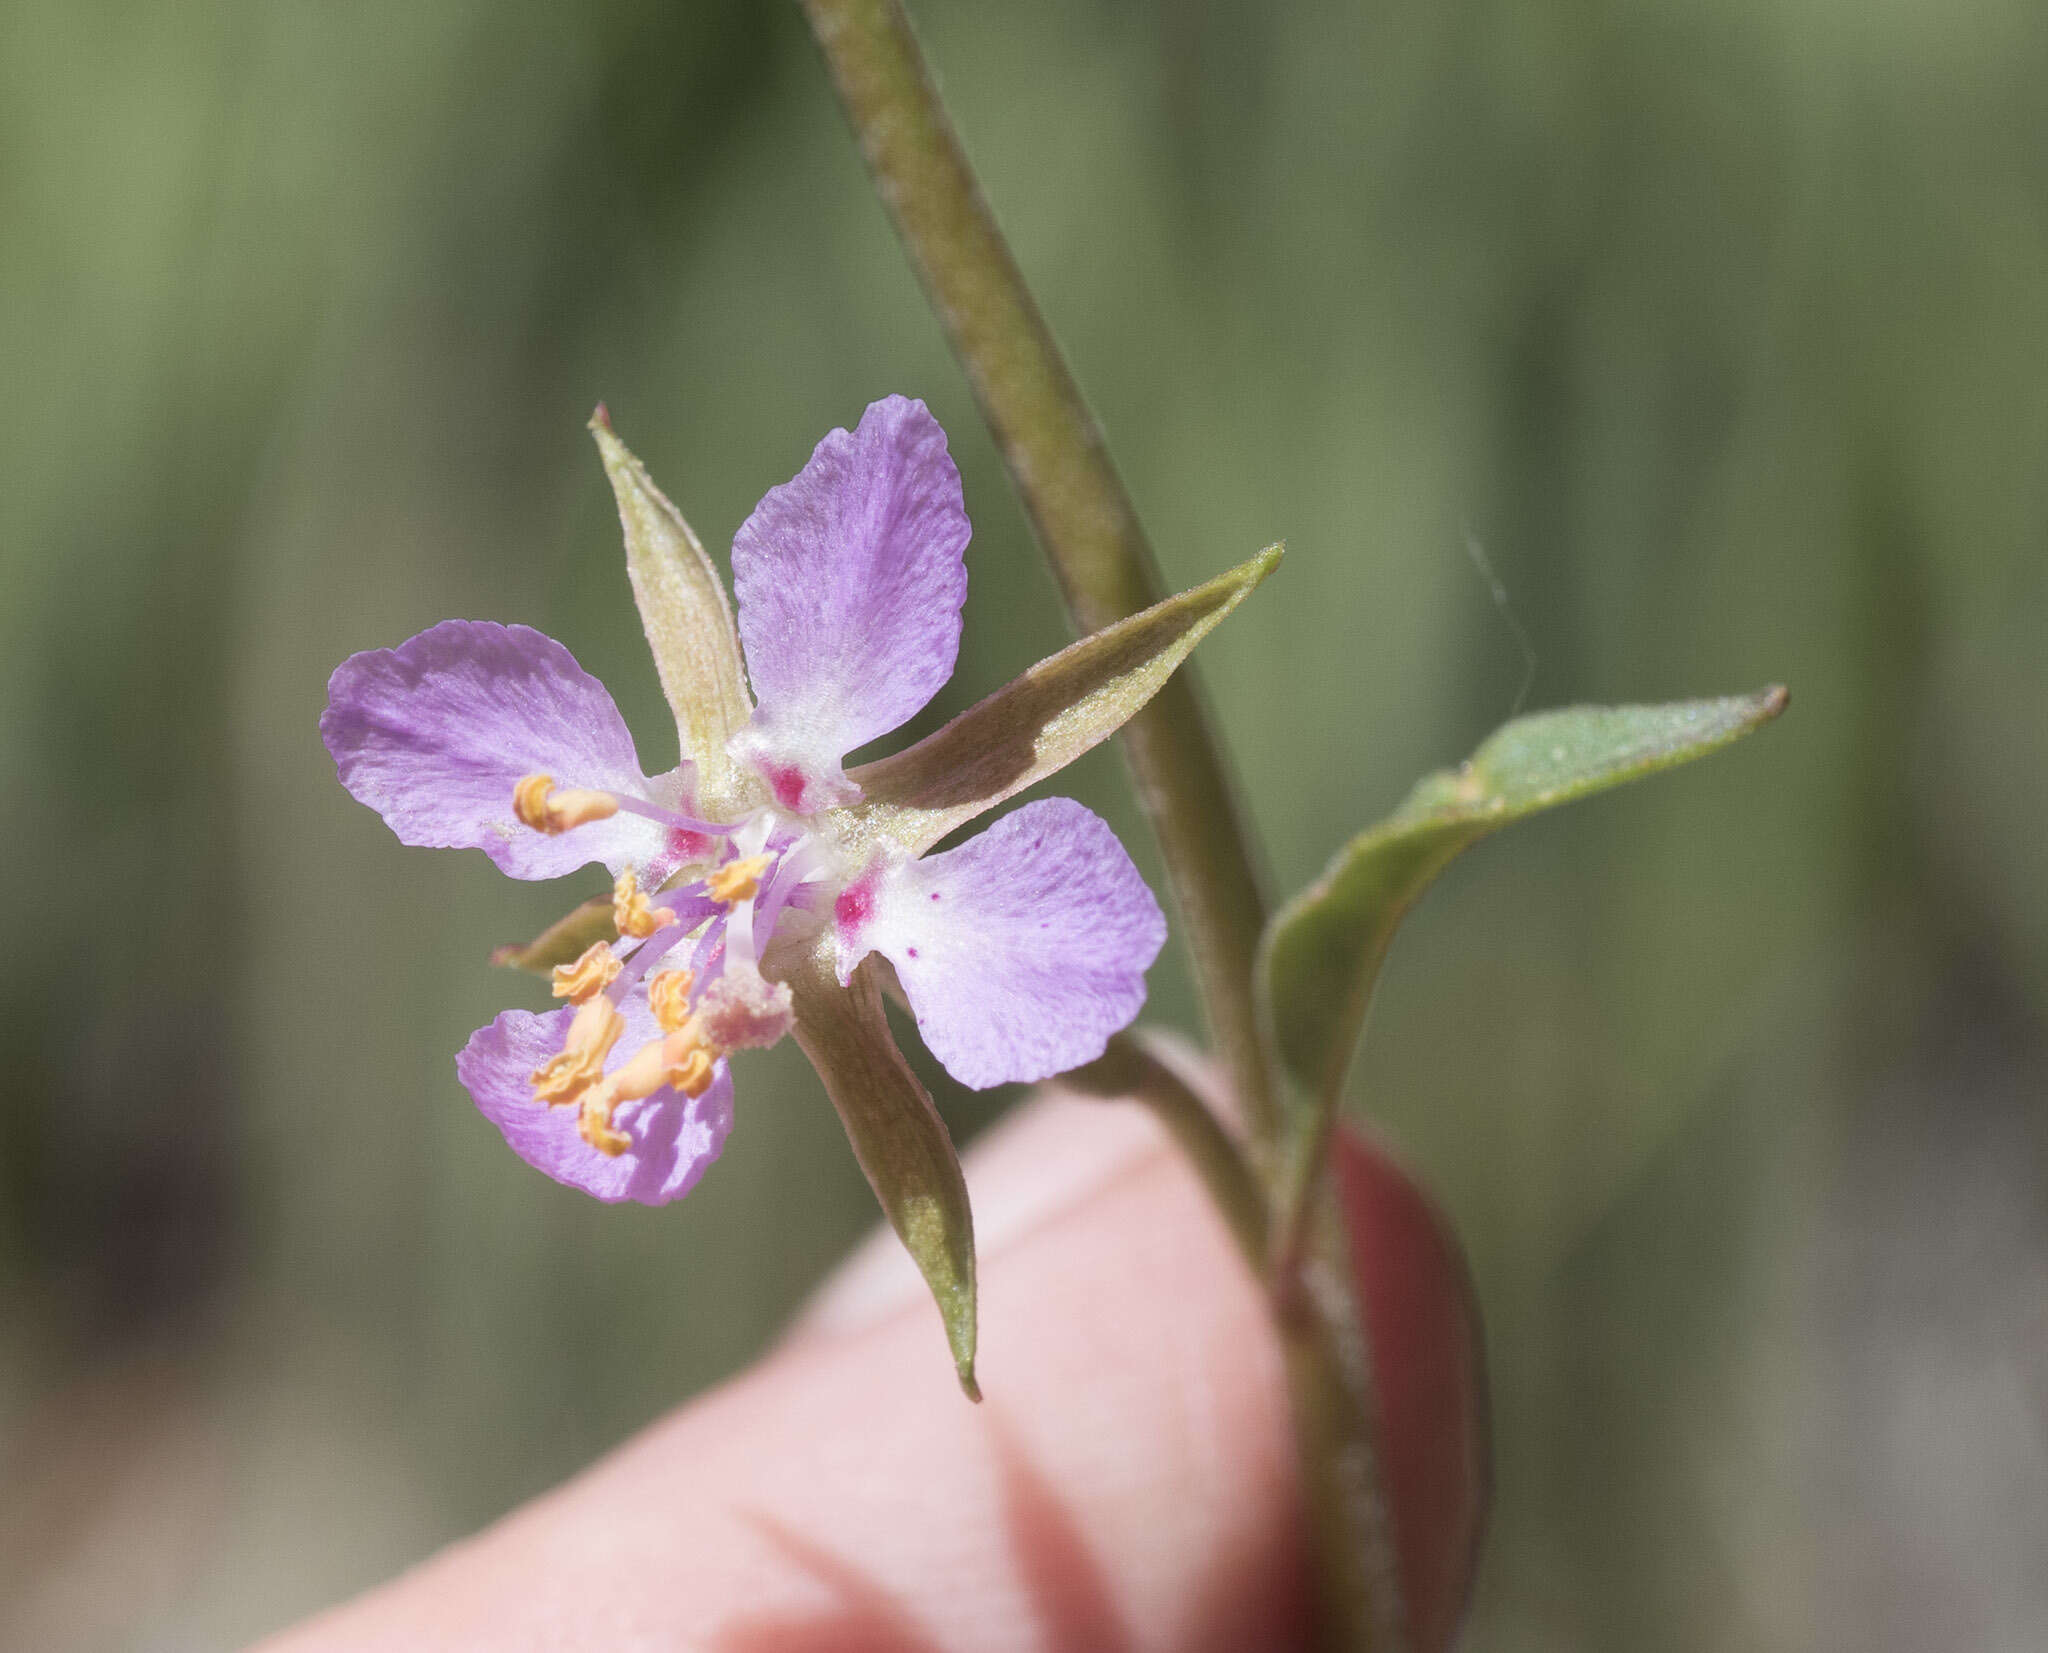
[[1127, 1484]]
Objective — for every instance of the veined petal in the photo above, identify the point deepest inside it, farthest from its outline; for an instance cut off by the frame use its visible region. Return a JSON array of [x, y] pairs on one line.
[[1021, 951], [436, 733], [674, 1136], [850, 579]]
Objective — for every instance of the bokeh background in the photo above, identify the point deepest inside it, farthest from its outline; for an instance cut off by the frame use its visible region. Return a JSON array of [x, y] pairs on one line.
[[1722, 325]]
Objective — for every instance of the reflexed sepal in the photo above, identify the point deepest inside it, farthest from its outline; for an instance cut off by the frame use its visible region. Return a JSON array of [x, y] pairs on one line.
[[1322, 952], [563, 941], [688, 620], [1046, 718], [897, 1136]]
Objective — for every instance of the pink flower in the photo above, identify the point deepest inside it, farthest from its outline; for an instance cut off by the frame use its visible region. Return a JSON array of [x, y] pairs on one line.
[[760, 887]]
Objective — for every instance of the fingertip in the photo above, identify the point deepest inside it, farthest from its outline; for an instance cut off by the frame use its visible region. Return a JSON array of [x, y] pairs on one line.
[[1128, 1481], [1024, 1172]]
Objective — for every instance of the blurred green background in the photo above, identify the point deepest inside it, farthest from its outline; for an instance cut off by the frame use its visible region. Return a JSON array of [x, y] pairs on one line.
[[1721, 324]]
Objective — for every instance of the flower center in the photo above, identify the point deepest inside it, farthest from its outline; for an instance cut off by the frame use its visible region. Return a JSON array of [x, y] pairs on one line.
[[698, 954]]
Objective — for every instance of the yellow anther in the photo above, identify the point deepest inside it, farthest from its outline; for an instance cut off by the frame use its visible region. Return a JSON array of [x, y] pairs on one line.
[[677, 1059], [530, 801], [593, 1031], [668, 996], [594, 1124], [692, 1075], [737, 880], [538, 805], [589, 976], [631, 912]]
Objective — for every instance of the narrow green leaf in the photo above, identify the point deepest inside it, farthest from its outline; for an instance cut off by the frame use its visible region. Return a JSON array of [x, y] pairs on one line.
[[1322, 952], [1047, 718], [687, 618], [563, 941], [897, 1136]]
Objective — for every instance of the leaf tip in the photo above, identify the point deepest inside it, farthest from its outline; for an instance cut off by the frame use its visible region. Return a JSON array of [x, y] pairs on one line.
[[618, 460], [957, 1309], [1772, 702]]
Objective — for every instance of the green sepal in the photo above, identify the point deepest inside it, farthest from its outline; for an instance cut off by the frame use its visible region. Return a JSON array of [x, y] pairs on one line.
[[687, 618], [897, 1135], [1321, 953], [562, 942], [1045, 719]]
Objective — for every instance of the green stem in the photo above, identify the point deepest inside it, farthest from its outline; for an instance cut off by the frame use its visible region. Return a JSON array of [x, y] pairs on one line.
[[1298, 1188], [1071, 492], [1129, 1071], [1084, 519], [1336, 1439]]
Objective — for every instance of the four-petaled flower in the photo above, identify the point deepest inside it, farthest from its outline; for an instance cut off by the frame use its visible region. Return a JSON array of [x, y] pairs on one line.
[[759, 886]]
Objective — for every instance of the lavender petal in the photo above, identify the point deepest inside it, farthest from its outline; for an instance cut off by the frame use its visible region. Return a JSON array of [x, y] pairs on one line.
[[850, 579], [435, 733], [1021, 951]]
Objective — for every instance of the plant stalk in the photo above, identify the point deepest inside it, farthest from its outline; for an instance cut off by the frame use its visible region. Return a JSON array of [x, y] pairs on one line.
[[1130, 1071], [1072, 494], [1085, 521]]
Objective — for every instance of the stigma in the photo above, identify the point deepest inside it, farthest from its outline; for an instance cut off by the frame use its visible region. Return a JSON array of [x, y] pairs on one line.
[[538, 805], [702, 1020]]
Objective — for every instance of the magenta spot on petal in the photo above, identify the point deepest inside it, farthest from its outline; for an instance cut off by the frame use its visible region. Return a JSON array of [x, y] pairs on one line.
[[786, 781], [935, 895], [686, 845], [912, 951], [856, 902]]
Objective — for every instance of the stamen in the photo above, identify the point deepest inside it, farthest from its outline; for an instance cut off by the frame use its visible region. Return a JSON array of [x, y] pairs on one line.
[[594, 1124], [668, 996], [741, 955], [679, 1059], [737, 880], [589, 976], [631, 912], [593, 1031], [692, 1075], [675, 819], [538, 805], [530, 800]]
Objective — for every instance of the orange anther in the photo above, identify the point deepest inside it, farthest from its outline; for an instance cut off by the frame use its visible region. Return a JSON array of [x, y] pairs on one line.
[[737, 880], [538, 805], [593, 1031], [631, 912], [590, 975], [668, 996]]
